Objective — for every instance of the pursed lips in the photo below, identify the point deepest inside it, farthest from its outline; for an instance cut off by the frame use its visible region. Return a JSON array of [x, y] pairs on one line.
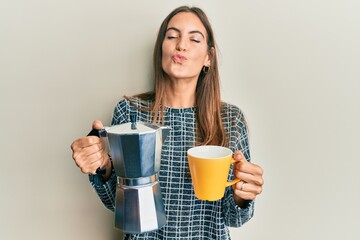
[[178, 58]]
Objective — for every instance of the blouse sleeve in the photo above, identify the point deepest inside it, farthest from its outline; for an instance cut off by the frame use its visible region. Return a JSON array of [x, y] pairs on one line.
[[235, 216], [106, 190]]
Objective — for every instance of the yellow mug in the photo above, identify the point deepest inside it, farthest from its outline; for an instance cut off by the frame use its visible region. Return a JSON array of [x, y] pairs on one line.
[[209, 169]]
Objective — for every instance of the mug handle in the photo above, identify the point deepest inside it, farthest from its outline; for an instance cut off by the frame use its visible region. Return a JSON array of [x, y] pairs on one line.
[[235, 180]]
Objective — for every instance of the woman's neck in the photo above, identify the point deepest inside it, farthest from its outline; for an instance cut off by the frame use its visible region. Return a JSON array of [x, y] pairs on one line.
[[180, 94]]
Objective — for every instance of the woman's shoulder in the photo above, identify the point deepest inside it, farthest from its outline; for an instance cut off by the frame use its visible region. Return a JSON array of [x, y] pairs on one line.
[[230, 109], [131, 102], [127, 106], [232, 115]]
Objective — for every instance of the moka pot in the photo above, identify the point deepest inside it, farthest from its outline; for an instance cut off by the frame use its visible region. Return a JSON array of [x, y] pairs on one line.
[[135, 149]]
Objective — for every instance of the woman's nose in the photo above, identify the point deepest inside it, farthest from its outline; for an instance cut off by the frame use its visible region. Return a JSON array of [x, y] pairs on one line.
[[181, 45]]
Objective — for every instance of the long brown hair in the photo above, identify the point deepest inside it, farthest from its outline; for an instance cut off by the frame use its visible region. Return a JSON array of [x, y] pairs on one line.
[[210, 130]]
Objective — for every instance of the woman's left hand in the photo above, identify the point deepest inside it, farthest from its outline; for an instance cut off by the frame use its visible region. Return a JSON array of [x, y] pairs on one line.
[[251, 182]]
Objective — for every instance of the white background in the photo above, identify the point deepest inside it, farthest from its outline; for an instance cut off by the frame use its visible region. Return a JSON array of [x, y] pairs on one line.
[[292, 66]]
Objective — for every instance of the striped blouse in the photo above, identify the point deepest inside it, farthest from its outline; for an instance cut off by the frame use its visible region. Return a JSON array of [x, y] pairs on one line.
[[187, 216]]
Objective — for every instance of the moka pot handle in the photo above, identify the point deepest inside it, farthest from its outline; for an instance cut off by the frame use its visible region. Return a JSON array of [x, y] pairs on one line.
[[99, 133]]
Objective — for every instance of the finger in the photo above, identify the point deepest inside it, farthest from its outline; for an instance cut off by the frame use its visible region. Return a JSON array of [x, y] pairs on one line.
[[250, 178], [91, 168], [239, 156], [248, 187], [97, 124], [85, 142], [105, 159], [249, 167], [85, 162], [98, 163], [89, 150], [244, 195]]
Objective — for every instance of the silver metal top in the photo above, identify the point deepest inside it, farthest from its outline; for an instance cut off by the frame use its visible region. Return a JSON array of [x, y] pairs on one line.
[[130, 128]]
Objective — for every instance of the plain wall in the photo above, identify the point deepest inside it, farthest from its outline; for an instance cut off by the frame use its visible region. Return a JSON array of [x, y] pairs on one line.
[[291, 66]]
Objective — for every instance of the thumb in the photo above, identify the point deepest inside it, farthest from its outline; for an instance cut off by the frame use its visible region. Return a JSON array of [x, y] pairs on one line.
[[97, 124]]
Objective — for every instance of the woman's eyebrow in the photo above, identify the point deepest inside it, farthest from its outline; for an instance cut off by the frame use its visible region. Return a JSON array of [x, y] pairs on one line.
[[173, 28], [191, 32], [196, 31]]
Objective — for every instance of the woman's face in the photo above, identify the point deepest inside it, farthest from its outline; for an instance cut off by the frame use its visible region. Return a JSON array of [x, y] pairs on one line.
[[184, 49]]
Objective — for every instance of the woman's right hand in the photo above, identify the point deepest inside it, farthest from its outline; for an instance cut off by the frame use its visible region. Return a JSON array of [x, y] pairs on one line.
[[89, 153]]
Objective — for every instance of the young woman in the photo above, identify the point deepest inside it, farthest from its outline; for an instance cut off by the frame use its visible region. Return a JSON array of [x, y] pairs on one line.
[[186, 97]]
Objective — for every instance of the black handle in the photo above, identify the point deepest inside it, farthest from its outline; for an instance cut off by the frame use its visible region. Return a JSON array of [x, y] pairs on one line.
[[95, 132]]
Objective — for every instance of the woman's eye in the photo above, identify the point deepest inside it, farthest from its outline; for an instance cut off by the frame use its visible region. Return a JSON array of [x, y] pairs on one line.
[[195, 40], [171, 37]]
